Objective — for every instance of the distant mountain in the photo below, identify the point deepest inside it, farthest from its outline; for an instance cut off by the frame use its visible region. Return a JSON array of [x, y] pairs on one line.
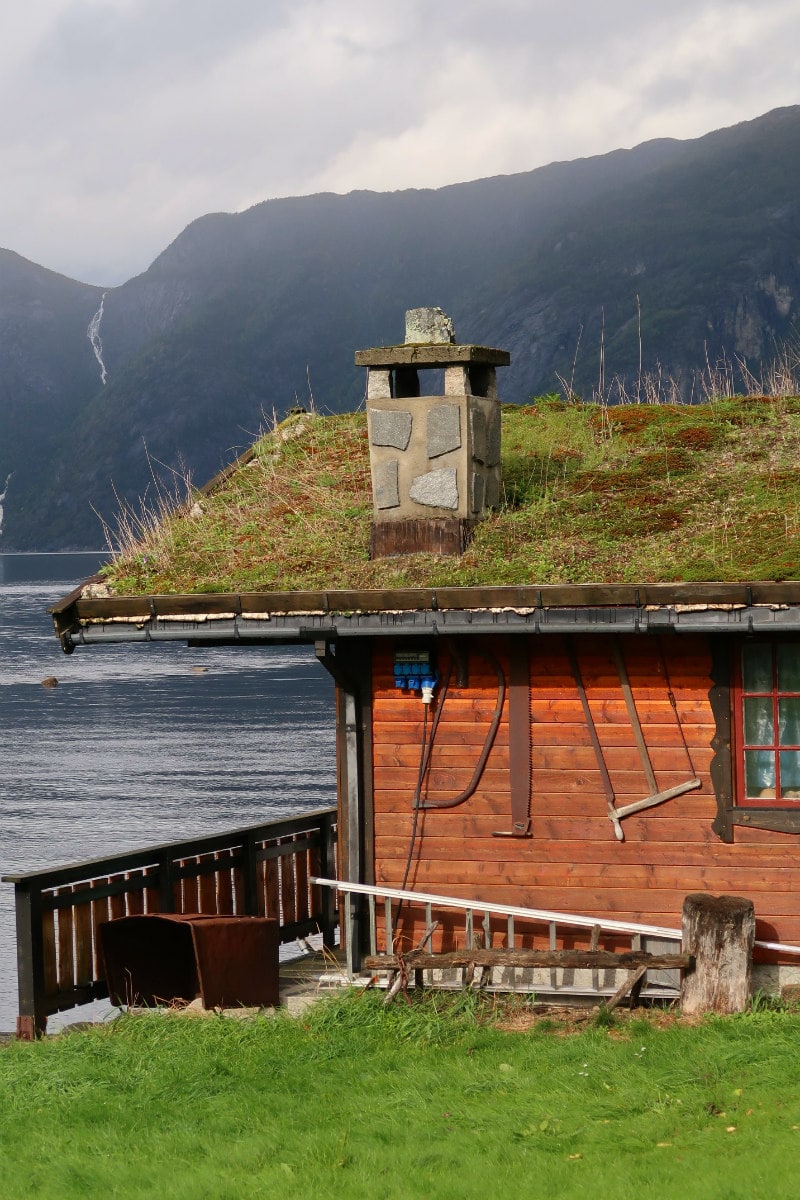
[[685, 252]]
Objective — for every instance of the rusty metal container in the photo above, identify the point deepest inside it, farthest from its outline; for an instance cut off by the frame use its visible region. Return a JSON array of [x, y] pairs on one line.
[[168, 958]]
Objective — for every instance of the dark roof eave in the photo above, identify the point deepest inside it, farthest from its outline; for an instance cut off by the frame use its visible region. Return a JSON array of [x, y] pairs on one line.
[[310, 616]]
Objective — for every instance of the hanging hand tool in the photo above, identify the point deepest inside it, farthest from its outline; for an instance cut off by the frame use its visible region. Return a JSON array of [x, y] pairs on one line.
[[598, 750], [656, 797]]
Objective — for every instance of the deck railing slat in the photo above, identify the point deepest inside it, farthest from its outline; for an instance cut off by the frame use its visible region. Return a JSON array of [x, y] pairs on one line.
[[49, 954], [207, 884], [224, 882], [66, 965], [134, 894], [83, 945], [270, 904], [302, 907], [288, 885]]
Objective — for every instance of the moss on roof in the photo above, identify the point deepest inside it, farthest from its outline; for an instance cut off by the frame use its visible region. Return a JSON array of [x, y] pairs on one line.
[[634, 493]]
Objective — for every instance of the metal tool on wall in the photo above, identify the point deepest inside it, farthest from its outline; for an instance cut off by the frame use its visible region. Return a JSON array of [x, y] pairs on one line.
[[656, 797]]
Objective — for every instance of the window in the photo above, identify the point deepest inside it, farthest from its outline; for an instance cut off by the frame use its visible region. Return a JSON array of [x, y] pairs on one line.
[[767, 724]]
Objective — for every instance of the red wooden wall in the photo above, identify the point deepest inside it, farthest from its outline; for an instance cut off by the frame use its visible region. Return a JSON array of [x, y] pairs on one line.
[[573, 862]]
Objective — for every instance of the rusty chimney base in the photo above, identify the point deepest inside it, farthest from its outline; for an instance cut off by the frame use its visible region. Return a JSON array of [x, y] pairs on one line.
[[421, 535]]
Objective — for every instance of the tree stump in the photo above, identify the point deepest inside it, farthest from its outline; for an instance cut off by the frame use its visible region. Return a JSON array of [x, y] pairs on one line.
[[718, 931]]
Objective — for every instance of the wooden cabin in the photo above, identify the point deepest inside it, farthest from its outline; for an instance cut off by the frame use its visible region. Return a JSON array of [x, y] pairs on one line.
[[570, 739], [554, 710]]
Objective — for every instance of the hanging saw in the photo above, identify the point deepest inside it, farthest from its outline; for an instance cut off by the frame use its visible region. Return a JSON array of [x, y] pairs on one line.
[[656, 797]]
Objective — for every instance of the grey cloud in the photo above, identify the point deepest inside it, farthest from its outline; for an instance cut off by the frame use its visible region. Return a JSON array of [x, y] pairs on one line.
[[90, 42], [128, 118]]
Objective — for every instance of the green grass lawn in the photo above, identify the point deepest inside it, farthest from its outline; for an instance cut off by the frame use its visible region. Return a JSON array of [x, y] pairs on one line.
[[429, 1101]]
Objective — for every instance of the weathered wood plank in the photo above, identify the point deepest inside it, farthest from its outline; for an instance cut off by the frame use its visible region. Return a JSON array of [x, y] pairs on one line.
[[578, 897], [82, 918], [49, 954], [134, 899], [152, 894], [459, 708], [600, 877], [577, 758], [560, 810], [302, 910], [224, 883], [207, 887], [549, 710], [495, 782], [443, 757], [238, 891], [581, 853], [504, 957], [66, 962], [100, 913], [288, 894], [116, 902], [658, 735], [628, 985], [449, 733], [270, 890]]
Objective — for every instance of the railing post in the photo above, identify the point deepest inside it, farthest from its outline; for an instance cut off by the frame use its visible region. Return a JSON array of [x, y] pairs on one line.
[[327, 861], [166, 884], [32, 1018], [249, 876]]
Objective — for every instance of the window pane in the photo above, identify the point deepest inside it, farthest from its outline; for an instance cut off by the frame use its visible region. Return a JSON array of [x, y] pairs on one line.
[[759, 729], [790, 774], [789, 668], [789, 720], [757, 667], [759, 773]]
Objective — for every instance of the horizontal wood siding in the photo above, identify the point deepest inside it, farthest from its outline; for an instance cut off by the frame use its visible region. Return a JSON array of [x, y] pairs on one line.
[[573, 862]]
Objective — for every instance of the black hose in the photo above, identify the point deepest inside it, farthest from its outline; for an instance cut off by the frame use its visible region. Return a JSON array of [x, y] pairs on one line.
[[420, 777], [487, 744], [426, 749]]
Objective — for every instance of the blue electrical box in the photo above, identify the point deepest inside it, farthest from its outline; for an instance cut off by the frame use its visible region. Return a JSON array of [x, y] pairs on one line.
[[414, 671]]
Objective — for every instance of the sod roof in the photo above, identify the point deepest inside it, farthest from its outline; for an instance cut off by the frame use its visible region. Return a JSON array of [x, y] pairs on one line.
[[591, 494]]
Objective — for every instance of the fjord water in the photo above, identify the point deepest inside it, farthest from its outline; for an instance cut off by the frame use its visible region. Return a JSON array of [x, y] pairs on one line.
[[140, 744]]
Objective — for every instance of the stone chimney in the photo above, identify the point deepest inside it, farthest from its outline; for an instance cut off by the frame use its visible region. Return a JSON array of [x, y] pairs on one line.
[[435, 459]]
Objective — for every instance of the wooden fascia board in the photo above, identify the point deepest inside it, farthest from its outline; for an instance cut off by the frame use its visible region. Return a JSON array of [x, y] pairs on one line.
[[75, 608]]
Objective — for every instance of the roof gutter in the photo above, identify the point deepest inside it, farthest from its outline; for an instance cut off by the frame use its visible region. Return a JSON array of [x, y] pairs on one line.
[[248, 628]]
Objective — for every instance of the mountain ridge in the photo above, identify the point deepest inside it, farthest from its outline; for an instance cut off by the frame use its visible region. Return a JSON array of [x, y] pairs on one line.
[[683, 252]]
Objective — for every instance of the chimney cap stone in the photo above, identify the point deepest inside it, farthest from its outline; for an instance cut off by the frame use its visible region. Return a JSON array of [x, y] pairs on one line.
[[428, 326]]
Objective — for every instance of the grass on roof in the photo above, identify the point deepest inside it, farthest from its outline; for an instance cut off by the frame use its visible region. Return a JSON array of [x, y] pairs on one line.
[[633, 493]]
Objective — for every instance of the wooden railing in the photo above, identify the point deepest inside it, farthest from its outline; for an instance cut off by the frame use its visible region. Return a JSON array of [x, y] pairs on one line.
[[265, 870]]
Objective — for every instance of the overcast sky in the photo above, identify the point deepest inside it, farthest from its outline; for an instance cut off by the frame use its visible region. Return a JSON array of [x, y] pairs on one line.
[[123, 120]]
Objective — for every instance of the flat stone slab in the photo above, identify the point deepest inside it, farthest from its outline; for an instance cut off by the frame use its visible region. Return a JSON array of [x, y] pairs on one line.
[[436, 489], [493, 435], [431, 356], [389, 427], [478, 491], [485, 430], [444, 429], [477, 423], [387, 490]]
